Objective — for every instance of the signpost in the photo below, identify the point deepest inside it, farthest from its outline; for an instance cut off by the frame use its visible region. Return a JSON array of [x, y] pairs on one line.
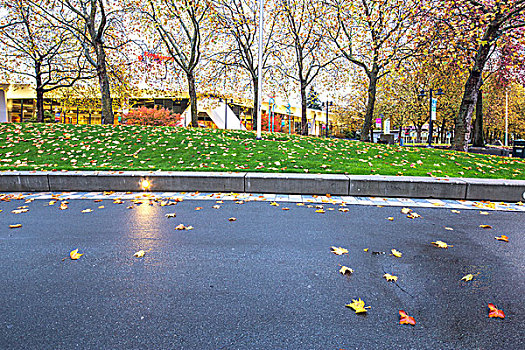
[[433, 107]]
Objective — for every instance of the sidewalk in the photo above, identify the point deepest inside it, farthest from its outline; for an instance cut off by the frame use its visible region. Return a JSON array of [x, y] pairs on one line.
[[283, 183]]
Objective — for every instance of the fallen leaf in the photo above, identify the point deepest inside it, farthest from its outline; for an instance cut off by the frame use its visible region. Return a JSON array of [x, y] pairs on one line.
[[485, 226], [19, 211], [216, 206], [139, 254], [365, 250], [182, 227], [320, 211], [344, 210], [15, 226], [87, 211], [494, 312], [405, 319], [118, 201], [390, 278], [339, 250], [358, 306], [484, 212], [390, 218], [300, 204], [346, 270], [441, 244], [467, 277], [63, 206], [232, 219], [74, 255], [198, 208], [275, 204], [406, 210], [396, 253], [449, 228], [413, 215], [502, 238], [455, 211], [170, 215]]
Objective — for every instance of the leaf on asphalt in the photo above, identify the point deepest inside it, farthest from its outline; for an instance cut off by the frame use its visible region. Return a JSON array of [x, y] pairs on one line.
[[468, 277], [118, 201], [406, 210], [449, 228], [74, 254], [216, 206], [346, 270], [441, 244], [198, 208], [232, 219], [455, 211], [405, 319], [390, 278], [343, 210], [285, 208], [320, 211], [365, 250], [390, 218], [413, 215], [502, 238], [170, 215], [358, 306], [15, 226], [275, 204], [485, 226], [19, 211], [396, 253], [139, 254], [300, 204], [339, 250], [87, 211], [484, 212], [63, 206], [495, 312], [182, 227], [101, 207]]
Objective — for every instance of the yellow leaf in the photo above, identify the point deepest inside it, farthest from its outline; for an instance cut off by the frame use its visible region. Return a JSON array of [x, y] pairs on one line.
[[63, 206], [413, 215], [390, 218], [232, 219], [300, 204], [358, 306], [390, 278], [485, 226], [321, 211], [139, 254], [467, 277], [396, 253], [365, 250], [275, 204], [484, 212], [345, 270], [449, 228], [170, 215], [455, 211], [15, 226], [502, 238], [74, 255], [339, 250], [87, 211], [406, 210], [441, 244], [344, 210]]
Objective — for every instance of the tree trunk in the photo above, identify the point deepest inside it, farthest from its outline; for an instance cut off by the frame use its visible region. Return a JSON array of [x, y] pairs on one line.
[[367, 130], [193, 100], [39, 93], [478, 123], [470, 94], [255, 82], [304, 120], [103, 79]]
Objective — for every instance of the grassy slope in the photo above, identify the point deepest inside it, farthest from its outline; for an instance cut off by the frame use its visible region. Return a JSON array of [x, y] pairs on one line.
[[93, 147]]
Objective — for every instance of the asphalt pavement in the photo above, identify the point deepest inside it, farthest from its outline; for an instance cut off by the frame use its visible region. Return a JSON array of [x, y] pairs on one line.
[[264, 281]]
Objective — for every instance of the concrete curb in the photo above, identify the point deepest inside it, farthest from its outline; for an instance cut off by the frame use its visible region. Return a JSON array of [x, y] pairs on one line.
[[285, 183]]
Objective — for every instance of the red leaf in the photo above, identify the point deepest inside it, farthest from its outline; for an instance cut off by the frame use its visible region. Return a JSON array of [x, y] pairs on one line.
[[495, 312], [405, 319]]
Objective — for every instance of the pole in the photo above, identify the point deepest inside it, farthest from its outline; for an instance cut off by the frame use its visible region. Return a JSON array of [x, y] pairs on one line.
[[326, 126], [430, 123], [226, 114], [259, 70], [506, 117]]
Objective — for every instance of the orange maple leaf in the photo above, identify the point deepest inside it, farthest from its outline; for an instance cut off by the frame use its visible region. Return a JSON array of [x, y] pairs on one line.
[[495, 312], [502, 238], [405, 319]]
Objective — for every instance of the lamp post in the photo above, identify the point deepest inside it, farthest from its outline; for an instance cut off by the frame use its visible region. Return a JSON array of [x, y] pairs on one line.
[[327, 104], [432, 112]]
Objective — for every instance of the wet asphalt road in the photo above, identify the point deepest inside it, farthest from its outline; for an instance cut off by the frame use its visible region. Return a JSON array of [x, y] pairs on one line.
[[265, 281]]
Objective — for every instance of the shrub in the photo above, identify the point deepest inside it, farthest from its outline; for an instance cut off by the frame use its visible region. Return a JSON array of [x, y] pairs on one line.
[[152, 116]]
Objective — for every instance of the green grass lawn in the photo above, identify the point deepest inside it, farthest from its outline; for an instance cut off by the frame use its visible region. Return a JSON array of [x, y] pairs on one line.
[[105, 147]]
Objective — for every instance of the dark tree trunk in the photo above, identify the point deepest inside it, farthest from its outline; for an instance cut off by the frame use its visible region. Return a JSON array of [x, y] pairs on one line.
[[39, 94], [103, 80], [367, 130], [478, 123], [304, 120], [443, 131], [193, 100], [255, 82], [470, 95]]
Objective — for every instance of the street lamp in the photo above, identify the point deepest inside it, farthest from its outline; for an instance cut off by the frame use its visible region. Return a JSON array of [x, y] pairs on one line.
[[433, 105], [327, 104]]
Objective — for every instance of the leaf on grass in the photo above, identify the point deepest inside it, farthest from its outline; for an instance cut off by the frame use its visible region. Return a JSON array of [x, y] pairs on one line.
[[485, 226], [405, 319], [170, 215], [358, 306], [441, 244], [390, 278], [396, 253], [468, 277], [87, 211], [346, 270], [15, 226], [502, 238], [339, 250], [74, 255], [139, 254], [495, 312]]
